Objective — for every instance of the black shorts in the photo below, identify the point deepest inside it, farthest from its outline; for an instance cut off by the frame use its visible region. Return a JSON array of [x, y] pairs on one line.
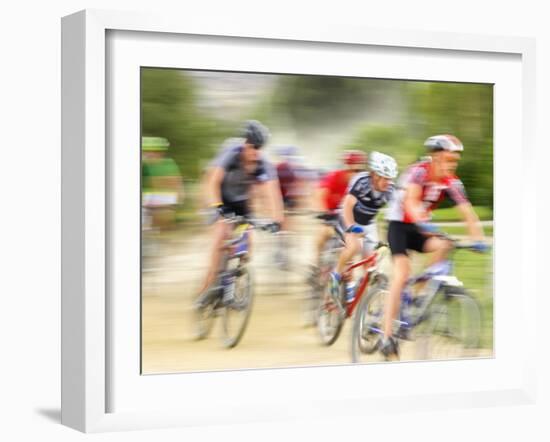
[[238, 208], [405, 236]]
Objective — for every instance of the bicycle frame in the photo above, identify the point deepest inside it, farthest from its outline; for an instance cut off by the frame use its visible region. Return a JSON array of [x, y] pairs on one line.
[[441, 274], [369, 262]]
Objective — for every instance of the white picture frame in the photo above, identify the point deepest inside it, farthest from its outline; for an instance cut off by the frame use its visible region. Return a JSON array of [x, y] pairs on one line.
[[87, 356]]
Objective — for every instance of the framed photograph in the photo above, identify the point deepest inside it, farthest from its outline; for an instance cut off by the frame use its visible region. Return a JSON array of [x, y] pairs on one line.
[[256, 223]]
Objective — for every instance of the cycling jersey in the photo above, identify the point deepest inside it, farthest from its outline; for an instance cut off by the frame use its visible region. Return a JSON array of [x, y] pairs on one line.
[[336, 184], [236, 182], [369, 200], [288, 181], [432, 191], [369, 236]]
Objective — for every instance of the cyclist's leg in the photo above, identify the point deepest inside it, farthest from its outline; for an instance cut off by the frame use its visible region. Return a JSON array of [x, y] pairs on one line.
[[324, 234], [401, 272], [243, 209], [440, 248], [220, 231], [398, 238], [352, 247]]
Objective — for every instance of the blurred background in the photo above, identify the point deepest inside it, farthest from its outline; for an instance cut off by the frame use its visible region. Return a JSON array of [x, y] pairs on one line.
[[187, 116]]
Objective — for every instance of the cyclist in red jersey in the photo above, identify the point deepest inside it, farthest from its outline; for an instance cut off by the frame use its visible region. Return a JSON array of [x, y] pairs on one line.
[[332, 189], [419, 190]]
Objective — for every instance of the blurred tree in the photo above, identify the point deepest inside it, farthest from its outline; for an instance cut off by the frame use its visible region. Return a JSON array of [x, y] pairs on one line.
[[168, 109], [464, 110], [391, 140]]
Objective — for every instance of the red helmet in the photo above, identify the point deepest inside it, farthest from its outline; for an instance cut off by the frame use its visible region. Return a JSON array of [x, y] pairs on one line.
[[353, 157]]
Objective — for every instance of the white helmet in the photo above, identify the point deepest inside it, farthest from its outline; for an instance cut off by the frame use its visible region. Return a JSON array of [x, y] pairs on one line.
[[382, 165], [449, 143]]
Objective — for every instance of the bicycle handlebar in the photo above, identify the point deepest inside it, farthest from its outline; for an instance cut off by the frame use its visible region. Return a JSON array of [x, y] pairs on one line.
[[327, 217], [256, 223], [457, 243]]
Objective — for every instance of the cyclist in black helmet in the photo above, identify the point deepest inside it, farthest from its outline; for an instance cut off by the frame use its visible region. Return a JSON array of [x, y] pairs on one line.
[[229, 181]]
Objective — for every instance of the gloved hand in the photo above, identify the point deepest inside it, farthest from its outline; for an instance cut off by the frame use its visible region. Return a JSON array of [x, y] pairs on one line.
[[355, 228], [427, 228], [480, 247], [215, 212]]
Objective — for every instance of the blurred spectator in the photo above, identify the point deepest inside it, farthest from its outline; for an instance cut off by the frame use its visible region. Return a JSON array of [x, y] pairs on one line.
[[162, 184]]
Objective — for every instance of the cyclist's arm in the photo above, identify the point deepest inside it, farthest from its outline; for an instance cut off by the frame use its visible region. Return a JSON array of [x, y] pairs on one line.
[[214, 187], [412, 203], [469, 215], [347, 212]]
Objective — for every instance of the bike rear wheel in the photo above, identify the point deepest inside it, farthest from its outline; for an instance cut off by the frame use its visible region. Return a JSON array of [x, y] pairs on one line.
[[237, 314], [368, 320], [451, 327]]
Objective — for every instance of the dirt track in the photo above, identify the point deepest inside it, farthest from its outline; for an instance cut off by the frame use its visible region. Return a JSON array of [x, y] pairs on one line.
[[276, 335]]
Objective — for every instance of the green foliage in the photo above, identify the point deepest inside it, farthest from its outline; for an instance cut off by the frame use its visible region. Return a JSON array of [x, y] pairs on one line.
[[463, 231], [169, 110], [391, 140], [466, 111], [451, 214]]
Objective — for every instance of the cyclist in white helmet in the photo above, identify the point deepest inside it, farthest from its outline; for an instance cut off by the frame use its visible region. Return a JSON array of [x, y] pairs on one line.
[[420, 188], [367, 193]]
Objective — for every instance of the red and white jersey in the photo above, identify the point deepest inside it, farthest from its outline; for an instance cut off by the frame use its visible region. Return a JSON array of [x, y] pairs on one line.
[[432, 191]]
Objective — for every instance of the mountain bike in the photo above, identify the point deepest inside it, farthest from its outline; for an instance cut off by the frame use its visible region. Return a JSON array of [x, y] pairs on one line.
[[443, 318], [335, 308], [231, 295], [318, 277]]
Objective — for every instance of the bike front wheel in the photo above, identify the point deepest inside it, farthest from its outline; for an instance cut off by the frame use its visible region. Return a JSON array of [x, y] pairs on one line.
[[451, 327], [236, 315], [204, 315], [331, 315], [368, 320]]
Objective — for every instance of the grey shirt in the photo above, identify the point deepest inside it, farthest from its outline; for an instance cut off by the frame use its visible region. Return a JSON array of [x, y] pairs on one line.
[[236, 180]]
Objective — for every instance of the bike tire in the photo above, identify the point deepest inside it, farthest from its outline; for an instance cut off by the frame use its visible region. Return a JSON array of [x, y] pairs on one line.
[[203, 321], [244, 294], [452, 327], [330, 317], [317, 283], [311, 305], [363, 341]]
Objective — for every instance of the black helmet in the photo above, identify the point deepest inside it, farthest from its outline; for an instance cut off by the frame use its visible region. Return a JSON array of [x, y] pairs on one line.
[[255, 133]]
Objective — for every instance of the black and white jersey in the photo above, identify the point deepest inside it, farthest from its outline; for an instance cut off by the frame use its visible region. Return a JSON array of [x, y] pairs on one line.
[[369, 201]]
